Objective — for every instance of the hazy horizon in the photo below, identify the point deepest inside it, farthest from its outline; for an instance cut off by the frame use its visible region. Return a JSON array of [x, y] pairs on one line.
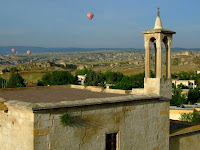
[[4, 50]]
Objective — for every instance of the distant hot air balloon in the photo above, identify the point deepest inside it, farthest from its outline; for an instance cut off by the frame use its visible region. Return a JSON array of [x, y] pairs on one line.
[[90, 15], [28, 52], [17, 52], [13, 50]]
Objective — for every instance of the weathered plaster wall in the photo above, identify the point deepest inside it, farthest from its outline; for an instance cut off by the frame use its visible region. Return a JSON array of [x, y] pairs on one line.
[[16, 129], [140, 124], [188, 141]]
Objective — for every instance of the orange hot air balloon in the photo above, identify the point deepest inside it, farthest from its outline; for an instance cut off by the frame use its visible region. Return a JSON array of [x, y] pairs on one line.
[[28, 52], [90, 15], [17, 52], [13, 50]]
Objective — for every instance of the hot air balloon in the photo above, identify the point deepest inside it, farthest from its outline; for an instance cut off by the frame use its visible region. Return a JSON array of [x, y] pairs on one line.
[[90, 15], [13, 50], [17, 52], [28, 52]]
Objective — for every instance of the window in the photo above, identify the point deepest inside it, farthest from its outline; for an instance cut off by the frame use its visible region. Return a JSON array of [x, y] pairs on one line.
[[111, 141], [190, 84]]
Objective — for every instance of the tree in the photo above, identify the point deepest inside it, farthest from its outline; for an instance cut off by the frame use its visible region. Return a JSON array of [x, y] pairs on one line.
[[82, 71], [1, 81], [46, 79], [112, 77], [94, 78], [175, 62], [61, 77], [177, 98], [58, 78], [15, 80], [124, 85], [129, 82], [182, 86], [193, 95]]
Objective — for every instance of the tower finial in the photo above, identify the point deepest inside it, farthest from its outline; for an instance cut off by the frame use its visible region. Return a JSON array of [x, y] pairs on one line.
[[158, 11], [158, 23]]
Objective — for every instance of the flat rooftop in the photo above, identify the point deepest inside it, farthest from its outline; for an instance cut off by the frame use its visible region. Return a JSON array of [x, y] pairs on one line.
[[52, 94], [176, 126], [183, 127], [40, 98]]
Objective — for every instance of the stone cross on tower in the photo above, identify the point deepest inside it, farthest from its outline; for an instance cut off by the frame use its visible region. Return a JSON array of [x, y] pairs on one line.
[[158, 37]]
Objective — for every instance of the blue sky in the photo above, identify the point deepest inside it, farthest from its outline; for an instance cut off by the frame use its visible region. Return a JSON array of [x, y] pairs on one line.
[[116, 23]]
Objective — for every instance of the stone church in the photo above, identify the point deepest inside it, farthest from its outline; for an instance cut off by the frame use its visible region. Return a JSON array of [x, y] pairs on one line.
[[81, 118]]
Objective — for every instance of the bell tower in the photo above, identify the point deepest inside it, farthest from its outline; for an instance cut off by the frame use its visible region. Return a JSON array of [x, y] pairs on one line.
[[159, 38]]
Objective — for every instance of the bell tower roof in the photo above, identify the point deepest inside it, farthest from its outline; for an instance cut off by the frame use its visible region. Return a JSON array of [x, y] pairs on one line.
[[158, 26]]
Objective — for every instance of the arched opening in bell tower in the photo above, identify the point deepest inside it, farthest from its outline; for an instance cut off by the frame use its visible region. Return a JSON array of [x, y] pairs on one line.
[[165, 53], [153, 57]]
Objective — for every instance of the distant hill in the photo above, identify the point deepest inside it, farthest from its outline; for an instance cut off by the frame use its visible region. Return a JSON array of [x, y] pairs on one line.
[[4, 50], [23, 49], [184, 49]]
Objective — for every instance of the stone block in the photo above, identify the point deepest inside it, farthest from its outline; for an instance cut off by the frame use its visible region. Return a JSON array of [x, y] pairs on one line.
[[45, 117], [164, 112], [41, 146], [41, 131], [40, 139], [45, 123]]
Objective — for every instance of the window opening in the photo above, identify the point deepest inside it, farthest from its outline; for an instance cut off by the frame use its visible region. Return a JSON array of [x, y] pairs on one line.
[[111, 141]]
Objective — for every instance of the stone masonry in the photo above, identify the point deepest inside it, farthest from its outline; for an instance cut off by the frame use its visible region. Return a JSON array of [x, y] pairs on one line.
[[142, 122]]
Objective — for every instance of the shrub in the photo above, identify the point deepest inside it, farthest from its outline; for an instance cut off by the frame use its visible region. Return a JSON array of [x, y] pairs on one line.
[[65, 119], [190, 117]]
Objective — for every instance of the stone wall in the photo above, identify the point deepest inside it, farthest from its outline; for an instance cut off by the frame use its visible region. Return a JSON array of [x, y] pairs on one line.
[[142, 124], [139, 91], [16, 128], [117, 91], [186, 141], [160, 86]]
